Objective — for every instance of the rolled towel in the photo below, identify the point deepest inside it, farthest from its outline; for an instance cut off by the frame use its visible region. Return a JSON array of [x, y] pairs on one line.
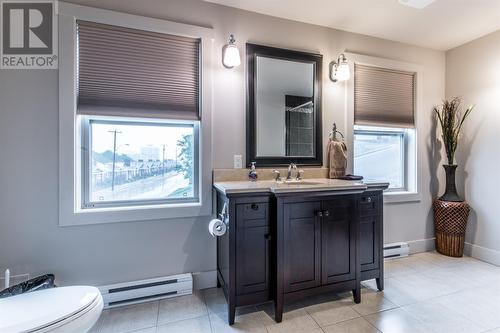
[[337, 158]]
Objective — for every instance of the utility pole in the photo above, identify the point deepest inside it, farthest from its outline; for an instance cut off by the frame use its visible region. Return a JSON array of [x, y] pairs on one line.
[[176, 157], [163, 162], [114, 158]]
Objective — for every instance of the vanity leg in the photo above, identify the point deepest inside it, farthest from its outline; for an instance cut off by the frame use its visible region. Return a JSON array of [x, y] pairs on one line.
[[380, 283], [356, 294], [231, 310], [278, 309]]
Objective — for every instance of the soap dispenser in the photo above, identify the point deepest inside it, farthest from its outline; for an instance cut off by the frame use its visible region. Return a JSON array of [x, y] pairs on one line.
[[252, 175]]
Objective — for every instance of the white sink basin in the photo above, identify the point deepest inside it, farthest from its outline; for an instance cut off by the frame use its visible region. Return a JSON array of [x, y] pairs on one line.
[[299, 183]]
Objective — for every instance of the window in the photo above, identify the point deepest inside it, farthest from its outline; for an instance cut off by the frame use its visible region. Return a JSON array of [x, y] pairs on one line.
[[138, 162], [384, 126], [149, 160], [381, 154], [134, 118]]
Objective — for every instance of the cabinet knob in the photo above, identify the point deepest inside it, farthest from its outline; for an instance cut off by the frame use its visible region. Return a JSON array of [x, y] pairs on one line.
[[369, 199], [319, 213], [254, 206], [326, 213]]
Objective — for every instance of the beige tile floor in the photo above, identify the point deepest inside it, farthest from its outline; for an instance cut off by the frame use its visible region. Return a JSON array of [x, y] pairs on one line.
[[425, 292]]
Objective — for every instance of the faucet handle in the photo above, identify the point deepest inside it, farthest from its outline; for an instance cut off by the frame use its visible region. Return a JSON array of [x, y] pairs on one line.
[[299, 174], [278, 175]]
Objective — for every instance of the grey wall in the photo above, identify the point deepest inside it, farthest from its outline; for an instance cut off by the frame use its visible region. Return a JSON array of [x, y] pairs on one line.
[[30, 239], [473, 72]]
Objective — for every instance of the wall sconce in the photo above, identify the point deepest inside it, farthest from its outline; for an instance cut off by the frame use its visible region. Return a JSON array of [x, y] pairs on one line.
[[231, 54], [339, 70]]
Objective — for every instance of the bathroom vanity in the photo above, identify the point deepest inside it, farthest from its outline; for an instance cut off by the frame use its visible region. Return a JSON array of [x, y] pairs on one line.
[[287, 241]]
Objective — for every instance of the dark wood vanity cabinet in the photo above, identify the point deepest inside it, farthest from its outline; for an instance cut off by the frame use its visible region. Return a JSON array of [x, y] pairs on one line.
[[371, 235], [286, 247], [244, 259]]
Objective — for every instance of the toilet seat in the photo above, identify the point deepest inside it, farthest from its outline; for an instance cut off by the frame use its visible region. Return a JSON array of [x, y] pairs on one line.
[[50, 309]]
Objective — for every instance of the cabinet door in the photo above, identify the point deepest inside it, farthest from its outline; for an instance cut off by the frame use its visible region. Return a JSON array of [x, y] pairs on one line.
[[338, 240], [370, 230], [252, 248], [369, 242], [302, 250]]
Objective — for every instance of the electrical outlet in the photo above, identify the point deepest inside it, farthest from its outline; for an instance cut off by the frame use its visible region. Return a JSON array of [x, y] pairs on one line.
[[238, 163]]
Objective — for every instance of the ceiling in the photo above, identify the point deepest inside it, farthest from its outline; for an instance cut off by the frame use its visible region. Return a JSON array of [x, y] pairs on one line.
[[441, 25]]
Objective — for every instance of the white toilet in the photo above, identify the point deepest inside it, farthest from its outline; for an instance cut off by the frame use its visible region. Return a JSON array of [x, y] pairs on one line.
[[57, 310]]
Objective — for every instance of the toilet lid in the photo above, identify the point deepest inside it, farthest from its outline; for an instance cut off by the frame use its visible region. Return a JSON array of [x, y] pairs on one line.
[[31, 311]]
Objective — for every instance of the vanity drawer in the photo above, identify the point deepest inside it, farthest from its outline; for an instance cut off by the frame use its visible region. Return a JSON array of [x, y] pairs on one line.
[[255, 210], [369, 204]]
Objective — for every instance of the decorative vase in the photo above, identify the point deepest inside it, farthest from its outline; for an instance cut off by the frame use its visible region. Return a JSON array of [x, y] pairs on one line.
[[450, 212], [450, 217], [450, 193], [450, 222]]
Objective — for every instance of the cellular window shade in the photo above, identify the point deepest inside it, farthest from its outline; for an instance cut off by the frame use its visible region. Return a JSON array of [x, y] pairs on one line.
[[383, 97], [130, 72]]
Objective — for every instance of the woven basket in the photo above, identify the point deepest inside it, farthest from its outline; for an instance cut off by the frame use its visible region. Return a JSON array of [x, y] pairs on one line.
[[450, 221]]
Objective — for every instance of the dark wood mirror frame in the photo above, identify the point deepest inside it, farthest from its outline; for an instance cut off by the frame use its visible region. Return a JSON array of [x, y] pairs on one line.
[[254, 50]]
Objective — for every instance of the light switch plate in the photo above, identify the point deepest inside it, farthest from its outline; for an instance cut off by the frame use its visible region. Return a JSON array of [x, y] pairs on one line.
[[237, 162]]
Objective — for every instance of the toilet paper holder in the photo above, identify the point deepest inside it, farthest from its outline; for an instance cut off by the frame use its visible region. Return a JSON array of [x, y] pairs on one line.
[[219, 226], [224, 215]]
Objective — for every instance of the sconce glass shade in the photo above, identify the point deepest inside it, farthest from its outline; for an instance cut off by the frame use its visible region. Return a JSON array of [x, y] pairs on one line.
[[231, 54], [343, 71], [339, 70]]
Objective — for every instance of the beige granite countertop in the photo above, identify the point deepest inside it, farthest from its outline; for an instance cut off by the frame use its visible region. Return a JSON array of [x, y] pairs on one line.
[[306, 185], [233, 181]]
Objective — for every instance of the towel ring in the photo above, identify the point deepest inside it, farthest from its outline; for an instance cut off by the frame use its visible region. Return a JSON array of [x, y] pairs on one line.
[[333, 133]]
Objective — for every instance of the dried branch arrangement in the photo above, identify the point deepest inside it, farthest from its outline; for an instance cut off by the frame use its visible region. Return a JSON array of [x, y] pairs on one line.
[[451, 119]]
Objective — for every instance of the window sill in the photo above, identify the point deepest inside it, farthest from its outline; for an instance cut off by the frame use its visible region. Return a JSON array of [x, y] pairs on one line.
[[133, 214], [401, 196]]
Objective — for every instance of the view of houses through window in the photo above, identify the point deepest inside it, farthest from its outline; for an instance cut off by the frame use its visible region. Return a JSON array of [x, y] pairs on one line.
[[140, 161]]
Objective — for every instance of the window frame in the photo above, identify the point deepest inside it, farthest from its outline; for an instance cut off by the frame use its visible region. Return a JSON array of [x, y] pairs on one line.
[[415, 146], [404, 148], [86, 144], [70, 125]]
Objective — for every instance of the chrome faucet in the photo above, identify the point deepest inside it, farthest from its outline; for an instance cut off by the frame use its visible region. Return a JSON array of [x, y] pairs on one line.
[[291, 167], [277, 175]]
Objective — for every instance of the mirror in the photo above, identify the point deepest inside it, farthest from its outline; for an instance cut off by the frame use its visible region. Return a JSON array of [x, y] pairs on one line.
[[283, 106]]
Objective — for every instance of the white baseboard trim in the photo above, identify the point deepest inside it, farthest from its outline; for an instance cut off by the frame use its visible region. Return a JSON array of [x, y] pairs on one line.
[[204, 280], [421, 245], [482, 253]]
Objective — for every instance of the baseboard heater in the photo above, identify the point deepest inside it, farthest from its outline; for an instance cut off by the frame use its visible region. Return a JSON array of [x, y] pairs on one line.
[[396, 250], [146, 290]]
